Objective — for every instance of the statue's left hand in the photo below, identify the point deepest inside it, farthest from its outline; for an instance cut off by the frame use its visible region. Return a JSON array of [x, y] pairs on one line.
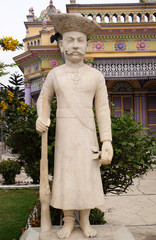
[[106, 153]]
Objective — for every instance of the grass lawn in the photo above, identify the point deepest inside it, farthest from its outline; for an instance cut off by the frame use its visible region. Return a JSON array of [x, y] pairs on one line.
[[15, 207]]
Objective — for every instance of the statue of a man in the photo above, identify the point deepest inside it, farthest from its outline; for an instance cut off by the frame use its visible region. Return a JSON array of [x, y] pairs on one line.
[[77, 181]]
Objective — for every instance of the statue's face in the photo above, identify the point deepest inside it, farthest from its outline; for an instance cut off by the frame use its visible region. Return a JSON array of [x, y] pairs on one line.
[[74, 46]]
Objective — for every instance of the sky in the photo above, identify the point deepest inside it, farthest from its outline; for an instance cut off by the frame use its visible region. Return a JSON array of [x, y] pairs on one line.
[[13, 14]]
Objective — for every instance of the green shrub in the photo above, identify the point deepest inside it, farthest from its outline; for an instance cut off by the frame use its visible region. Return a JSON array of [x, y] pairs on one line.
[[96, 217], [9, 169], [133, 154]]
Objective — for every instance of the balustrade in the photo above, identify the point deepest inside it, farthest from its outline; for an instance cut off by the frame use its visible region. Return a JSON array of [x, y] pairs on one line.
[[119, 17]]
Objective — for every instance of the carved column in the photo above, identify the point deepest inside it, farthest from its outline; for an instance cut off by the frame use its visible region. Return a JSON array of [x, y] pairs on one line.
[[111, 17], [127, 17], [137, 107], [119, 17], [27, 93], [135, 17], [86, 14], [143, 110], [102, 17], [94, 16], [143, 16], [151, 17]]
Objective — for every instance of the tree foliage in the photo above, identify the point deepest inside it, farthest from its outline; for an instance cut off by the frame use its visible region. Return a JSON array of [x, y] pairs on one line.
[[9, 169], [17, 87]]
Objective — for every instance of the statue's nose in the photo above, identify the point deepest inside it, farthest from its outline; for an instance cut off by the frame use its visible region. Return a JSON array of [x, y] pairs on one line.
[[75, 46]]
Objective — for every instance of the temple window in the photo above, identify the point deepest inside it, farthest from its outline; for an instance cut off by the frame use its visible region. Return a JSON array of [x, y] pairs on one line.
[[123, 17], [147, 17], [130, 17], [98, 18], [38, 42], [107, 18], [115, 18], [90, 16], [139, 17]]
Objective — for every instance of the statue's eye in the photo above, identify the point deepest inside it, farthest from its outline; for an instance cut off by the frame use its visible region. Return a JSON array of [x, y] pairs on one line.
[[81, 40]]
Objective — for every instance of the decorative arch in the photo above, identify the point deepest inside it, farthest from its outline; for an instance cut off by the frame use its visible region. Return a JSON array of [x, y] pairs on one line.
[[90, 16], [134, 83], [123, 17], [38, 42], [115, 18], [139, 17], [149, 83], [122, 86], [131, 17], [107, 20], [147, 17], [98, 18]]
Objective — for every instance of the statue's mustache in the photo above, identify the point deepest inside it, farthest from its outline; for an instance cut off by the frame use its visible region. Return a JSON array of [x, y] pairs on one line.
[[70, 51]]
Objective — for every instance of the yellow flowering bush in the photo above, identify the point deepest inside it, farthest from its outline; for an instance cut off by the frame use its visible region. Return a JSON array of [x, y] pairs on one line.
[[8, 43], [22, 107], [10, 96], [12, 102], [3, 105]]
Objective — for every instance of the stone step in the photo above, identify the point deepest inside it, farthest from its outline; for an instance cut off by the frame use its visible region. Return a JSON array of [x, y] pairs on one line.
[[105, 232]]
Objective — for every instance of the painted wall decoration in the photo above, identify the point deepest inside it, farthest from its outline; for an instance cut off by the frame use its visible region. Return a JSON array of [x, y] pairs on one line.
[[122, 86], [36, 67], [120, 46], [98, 46], [53, 63], [28, 70], [148, 1], [142, 45]]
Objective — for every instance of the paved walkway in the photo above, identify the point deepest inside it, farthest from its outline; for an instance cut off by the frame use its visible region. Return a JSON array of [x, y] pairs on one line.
[[136, 209]]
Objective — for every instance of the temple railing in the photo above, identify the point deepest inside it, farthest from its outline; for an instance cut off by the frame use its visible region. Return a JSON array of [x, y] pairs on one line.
[[117, 13], [127, 67]]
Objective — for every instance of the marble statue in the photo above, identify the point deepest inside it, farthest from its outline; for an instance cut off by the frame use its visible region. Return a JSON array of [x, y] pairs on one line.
[[77, 181]]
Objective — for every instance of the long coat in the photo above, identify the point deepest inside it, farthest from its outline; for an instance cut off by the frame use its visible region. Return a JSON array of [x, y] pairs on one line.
[[77, 181]]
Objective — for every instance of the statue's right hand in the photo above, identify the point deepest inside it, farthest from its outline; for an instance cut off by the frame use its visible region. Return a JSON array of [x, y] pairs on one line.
[[42, 125]]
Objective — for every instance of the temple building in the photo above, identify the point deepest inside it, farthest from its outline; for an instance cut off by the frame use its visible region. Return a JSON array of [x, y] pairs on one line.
[[124, 51]]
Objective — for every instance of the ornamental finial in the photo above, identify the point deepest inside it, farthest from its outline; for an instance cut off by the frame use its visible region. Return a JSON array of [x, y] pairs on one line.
[[51, 3], [72, 1]]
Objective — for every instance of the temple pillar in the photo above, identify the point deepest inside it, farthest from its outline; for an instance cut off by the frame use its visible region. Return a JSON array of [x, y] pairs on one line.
[[102, 17], [28, 93], [151, 17], [137, 108], [143, 110]]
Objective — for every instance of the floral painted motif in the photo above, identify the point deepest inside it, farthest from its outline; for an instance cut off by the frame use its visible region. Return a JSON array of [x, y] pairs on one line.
[[28, 70], [36, 67], [98, 46], [54, 63], [120, 46], [142, 45]]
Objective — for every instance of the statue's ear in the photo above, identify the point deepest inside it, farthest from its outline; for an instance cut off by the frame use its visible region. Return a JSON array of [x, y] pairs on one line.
[[88, 43], [61, 45]]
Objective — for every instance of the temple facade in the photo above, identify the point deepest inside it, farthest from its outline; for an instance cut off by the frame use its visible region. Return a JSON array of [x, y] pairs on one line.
[[124, 51]]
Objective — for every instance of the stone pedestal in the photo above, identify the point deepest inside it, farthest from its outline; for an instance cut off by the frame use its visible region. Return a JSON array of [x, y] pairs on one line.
[[105, 232]]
